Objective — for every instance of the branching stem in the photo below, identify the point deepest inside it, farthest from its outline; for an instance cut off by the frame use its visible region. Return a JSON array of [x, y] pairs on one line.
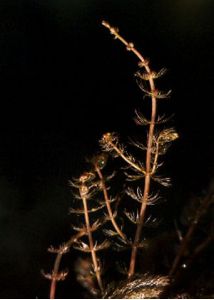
[[147, 178], [126, 159], [58, 259]]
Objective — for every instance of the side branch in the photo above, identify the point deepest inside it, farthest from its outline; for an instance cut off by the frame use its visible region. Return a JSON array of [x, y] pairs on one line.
[[62, 250], [108, 142], [108, 205]]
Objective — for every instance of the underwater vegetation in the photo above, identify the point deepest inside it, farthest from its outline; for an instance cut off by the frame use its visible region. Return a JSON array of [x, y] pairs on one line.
[[127, 251]]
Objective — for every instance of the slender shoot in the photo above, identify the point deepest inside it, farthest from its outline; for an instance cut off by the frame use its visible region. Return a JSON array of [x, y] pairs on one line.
[[148, 166]]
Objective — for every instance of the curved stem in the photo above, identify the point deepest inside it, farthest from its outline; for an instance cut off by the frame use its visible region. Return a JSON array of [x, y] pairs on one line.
[[147, 178], [58, 259]]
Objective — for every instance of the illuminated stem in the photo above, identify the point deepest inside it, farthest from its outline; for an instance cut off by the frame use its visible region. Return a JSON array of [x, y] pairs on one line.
[[108, 205], [91, 245], [58, 259], [147, 179], [126, 159]]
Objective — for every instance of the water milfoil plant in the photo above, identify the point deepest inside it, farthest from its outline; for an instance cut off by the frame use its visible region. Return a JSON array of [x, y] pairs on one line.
[[106, 198], [156, 144]]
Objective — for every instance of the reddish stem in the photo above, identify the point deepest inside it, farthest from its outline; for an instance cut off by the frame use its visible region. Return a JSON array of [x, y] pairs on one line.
[[147, 179]]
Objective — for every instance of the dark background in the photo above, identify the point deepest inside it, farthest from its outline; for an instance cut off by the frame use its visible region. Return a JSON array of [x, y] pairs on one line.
[[63, 82]]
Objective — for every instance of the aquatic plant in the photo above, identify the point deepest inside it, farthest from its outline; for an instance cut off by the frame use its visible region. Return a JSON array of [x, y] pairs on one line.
[[105, 200]]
